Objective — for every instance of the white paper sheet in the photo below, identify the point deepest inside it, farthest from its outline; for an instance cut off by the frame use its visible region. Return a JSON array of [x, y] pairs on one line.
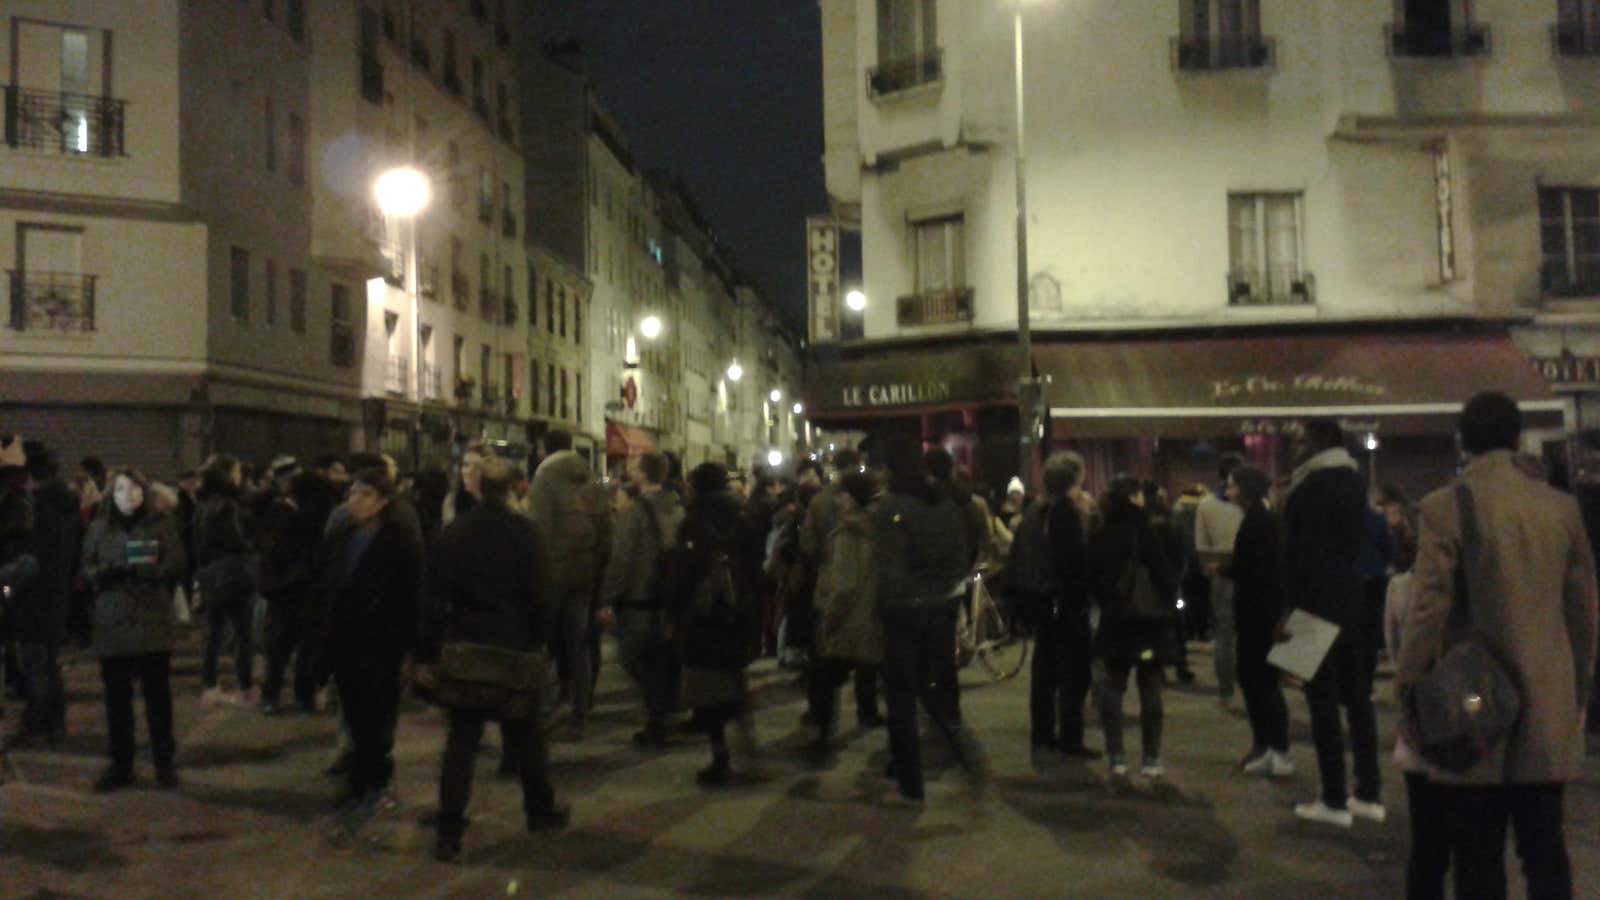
[[1310, 637]]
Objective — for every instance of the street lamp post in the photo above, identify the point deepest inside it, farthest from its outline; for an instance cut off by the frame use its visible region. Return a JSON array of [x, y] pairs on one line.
[[1028, 389]]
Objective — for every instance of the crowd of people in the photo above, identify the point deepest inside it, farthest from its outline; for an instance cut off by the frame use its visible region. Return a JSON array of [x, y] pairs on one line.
[[856, 567]]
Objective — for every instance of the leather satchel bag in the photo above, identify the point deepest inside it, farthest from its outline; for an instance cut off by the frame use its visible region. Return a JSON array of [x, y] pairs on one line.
[[1468, 704], [482, 680]]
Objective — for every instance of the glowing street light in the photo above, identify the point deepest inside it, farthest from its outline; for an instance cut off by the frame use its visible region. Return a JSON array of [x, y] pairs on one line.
[[856, 300], [776, 396], [650, 327], [775, 458], [735, 372], [799, 408], [402, 192]]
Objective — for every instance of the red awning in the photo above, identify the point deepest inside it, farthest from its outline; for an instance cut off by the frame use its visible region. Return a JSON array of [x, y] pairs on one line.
[[627, 441]]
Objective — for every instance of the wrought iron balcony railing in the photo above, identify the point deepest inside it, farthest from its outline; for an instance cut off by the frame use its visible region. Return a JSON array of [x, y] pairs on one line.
[[1469, 40], [1575, 40], [396, 374], [1274, 286], [51, 301], [431, 381], [902, 74], [935, 308], [1217, 52], [64, 123]]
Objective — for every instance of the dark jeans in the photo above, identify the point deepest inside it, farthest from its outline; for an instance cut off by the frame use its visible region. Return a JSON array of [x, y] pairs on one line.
[[1375, 593], [713, 719], [576, 627], [1150, 713], [221, 616], [1430, 839], [311, 667], [460, 753], [153, 672], [649, 659], [825, 678], [1477, 819], [1061, 679], [369, 701], [1263, 693], [1342, 681], [914, 655], [284, 628], [46, 709], [947, 687]]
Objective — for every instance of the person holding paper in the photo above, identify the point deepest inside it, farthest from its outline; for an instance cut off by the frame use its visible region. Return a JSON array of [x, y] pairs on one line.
[[1322, 539], [1257, 572]]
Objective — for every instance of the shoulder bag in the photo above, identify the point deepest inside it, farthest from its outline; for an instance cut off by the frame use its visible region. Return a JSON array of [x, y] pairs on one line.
[[483, 680]]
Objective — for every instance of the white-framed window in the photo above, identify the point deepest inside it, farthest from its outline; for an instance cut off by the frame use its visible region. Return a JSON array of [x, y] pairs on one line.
[[939, 250], [239, 283], [1569, 239], [907, 30], [1265, 250]]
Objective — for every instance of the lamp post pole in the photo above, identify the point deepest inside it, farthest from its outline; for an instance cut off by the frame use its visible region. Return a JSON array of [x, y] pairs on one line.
[[1028, 388]]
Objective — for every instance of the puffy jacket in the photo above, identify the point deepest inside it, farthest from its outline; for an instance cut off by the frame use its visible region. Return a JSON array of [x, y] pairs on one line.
[[572, 515], [133, 609]]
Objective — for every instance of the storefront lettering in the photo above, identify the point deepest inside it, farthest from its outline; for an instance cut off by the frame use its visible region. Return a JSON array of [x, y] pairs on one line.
[[1264, 385], [896, 394], [1569, 369]]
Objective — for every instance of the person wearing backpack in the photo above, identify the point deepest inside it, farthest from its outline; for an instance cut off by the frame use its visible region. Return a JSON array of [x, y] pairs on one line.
[[1136, 589], [713, 621], [227, 576], [1048, 577], [571, 515], [632, 595], [1524, 586]]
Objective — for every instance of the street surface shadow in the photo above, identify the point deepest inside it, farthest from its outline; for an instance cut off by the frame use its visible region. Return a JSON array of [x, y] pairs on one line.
[[295, 806], [67, 849]]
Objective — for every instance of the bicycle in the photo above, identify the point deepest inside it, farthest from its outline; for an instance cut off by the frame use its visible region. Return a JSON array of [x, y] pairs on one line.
[[988, 633]]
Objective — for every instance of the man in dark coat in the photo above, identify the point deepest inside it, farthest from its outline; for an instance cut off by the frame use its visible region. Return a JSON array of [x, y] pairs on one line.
[[41, 617], [1322, 540], [487, 586]]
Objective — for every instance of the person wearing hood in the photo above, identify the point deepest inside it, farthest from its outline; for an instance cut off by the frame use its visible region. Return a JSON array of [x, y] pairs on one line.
[[570, 516], [227, 575], [632, 595], [132, 556], [40, 615], [1322, 536]]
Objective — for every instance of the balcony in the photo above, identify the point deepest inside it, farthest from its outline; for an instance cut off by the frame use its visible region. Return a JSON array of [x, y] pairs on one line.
[[431, 381], [508, 223], [58, 122], [490, 395], [1561, 280], [1276, 286], [342, 345], [395, 374], [1471, 40], [1575, 40], [935, 308], [428, 278], [394, 262], [460, 290], [371, 78], [488, 304], [904, 74], [52, 301], [1218, 52]]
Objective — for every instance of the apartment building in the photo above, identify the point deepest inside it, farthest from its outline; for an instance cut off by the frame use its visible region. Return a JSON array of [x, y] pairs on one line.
[[1240, 214]]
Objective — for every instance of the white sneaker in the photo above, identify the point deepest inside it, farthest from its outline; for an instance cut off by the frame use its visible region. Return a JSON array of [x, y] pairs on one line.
[[1279, 765], [1318, 811], [1260, 765], [1152, 768], [1361, 809]]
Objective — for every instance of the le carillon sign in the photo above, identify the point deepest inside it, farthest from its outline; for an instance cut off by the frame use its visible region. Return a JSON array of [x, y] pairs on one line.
[[1569, 370], [856, 396]]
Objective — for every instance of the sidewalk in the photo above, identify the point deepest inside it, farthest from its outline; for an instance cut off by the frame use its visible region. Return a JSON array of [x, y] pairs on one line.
[[251, 817]]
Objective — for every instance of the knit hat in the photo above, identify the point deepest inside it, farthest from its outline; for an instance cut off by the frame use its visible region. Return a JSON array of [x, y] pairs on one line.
[[1014, 486], [11, 454]]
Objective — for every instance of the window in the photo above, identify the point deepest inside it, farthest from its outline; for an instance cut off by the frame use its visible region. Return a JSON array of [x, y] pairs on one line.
[[270, 145], [295, 19], [1264, 249], [512, 382], [940, 248], [239, 283], [297, 150], [297, 301], [550, 388], [564, 406], [577, 320], [1569, 237], [342, 351], [549, 306], [1578, 27], [272, 291], [562, 305], [1437, 28], [485, 363], [485, 195], [533, 297], [452, 81], [478, 99], [533, 386], [908, 45], [1221, 34], [458, 358], [579, 392]]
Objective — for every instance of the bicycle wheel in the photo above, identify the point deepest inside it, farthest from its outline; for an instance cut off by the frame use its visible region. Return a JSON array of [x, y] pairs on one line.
[[1001, 649]]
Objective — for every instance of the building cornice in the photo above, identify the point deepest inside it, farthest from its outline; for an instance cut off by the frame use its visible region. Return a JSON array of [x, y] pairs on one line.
[[93, 206]]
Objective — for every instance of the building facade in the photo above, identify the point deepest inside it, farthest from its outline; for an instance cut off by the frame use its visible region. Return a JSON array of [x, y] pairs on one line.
[[1272, 211]]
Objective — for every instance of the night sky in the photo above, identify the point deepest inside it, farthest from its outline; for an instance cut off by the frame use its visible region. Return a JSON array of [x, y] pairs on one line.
[[727, 94]]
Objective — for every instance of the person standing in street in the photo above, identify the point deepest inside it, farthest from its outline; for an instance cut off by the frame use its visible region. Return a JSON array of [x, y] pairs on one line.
[[1215, 527], [817, 542], [570, 512], [1531, 592], [1256, 569], [1048, 574], [227, 577], [1136, 634], [633, 595], [1322, 536], [923, 561], [374, 612], [849, 633], [40, 613], [489, 584], [290, 532], [132, 557]]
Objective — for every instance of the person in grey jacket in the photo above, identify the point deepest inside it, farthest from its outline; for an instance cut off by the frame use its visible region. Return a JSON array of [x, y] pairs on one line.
[[132, 557], [921, 537], [632, 595]]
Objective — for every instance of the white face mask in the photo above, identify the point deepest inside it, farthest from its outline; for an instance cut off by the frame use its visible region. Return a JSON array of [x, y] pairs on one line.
[[128, 496]]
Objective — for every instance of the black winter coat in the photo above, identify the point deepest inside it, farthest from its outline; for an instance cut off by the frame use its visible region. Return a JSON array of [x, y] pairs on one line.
[[1049, 563], [1126, 536], [725, 642], [1257, 570], [922, 540], [56, 542], [375, 606], [484, 580], [1322, 539]]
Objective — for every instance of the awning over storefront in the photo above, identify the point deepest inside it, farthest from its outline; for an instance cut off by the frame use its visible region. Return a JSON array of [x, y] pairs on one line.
[[893, 382], [1413, 382], [624, 441]]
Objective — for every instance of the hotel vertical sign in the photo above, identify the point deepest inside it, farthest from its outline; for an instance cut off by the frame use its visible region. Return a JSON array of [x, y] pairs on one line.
[[822, 268]]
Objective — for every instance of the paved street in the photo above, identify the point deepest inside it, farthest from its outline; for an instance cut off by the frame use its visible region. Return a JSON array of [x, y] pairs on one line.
[[251, 817]]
